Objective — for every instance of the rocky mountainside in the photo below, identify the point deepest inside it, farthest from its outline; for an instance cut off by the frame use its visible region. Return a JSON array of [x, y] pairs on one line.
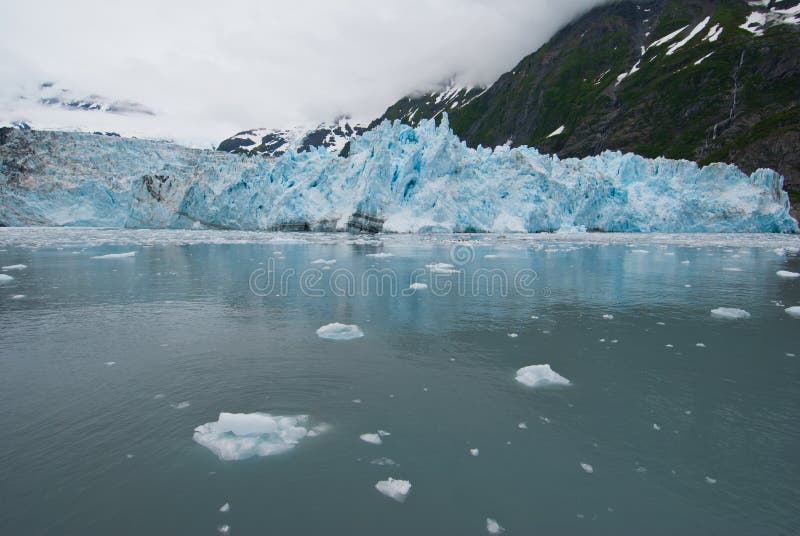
[[269, 142], [704, 80]]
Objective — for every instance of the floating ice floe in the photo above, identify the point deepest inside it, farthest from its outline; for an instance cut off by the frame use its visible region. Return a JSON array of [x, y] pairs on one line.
[[394, 489], [110, 363], [608, 317], [513, 335], [522, 426], [181, 405], [700, 345], [324, 261], [112, 256], [710, 480], [656, 427], [588, 468], [794, 312], [225, 508], [730, 313], [441, 268], [340, 332], [14, 267], [539, 376], [237, 436], [5, 278], [493, 527], [640, 251], [782, 273], [380, 255], [474, 452], [18, 296], [383, 462], [686, 262], [418, 286], [224, 529], [373, 439]]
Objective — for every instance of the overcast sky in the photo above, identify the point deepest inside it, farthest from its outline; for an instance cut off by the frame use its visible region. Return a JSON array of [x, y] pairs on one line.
[[209, 69]]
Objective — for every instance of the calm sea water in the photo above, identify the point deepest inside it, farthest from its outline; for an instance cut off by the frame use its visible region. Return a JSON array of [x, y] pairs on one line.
[[682, 439]]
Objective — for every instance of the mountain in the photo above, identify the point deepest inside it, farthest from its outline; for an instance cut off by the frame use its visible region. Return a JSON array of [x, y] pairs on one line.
[[703, 80], [411, 110], [266, 142], [396, 179]]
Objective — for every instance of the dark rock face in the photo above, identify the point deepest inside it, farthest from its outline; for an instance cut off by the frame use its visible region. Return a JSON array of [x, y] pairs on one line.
[[262, 142], [360, 222], [734, 99]]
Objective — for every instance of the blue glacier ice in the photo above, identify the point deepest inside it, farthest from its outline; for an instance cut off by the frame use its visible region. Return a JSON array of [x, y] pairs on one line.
[[396, 178]]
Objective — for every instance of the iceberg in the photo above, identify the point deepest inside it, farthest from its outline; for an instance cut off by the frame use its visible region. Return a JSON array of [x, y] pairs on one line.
[[5, 278], [539, 376], [794, 312], [730, 313], [493, 527], [395, 179], [237, 436], [340, 332], [394, 489], [14, 267], [787, 275]]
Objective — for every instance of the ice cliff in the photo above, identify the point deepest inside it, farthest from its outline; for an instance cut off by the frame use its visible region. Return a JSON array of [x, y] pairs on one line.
[[396, 178]]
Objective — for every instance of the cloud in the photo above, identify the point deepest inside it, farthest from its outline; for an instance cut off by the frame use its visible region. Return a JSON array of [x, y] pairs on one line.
[[212, 68]]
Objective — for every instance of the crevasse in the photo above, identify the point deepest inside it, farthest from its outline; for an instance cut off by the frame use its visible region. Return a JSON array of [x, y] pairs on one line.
[[396, 179]]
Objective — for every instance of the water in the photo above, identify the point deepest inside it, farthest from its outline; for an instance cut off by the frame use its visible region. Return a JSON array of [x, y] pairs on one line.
[[90, 448]]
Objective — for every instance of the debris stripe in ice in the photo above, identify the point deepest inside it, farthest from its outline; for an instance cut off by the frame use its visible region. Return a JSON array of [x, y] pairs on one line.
[[340, 332], [394, 489]]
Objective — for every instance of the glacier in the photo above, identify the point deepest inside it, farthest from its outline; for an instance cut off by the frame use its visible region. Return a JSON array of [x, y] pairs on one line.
[[395, 179]]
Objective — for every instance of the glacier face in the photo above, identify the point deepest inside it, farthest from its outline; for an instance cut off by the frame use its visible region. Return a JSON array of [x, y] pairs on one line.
[[396, 178]]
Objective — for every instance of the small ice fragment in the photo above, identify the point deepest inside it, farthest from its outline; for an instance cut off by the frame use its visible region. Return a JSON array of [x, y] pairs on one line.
[[340, 332], [159, 396], [373, 439], [380, 255], [608, 317], [656, 427], [700, 345], [474, 452], [670, 346], [687, 286], [129, 456], [513, 335], [181, 405], [522, 426], [780, 273], [116, 255], [588, 468], [661, 324], [490, 256], [383, 433], [5, 278], [734, 269], [710, 480], [441, 268], [643, 251], [17, 296], [394, 489], [14, 267], [794, 312], [534, 317], [790, 354], [540, 375], [224, 529], [493, 527], [418, 286], [110, 363], [225, 508], [383, 461], [732, 313], [688, 412], [614, 341], [602, 340], [356, 401], [324, 261], [686, 262], [544, 420]]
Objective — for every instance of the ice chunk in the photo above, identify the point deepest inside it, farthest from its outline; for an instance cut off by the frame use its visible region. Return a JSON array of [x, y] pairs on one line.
[[17, 296], [5, 278], [237, 436], [374, 439], [110, 363], [181, 405], [793, 311], [522, 426], [340, 332], [640, 251], [418, 286], [493, 527], [787, 275], [700, 345], [513, 335], [441, 268], [490, 256], [608, 317], [394, 489], [383, 461], [730, 313], [656, 427], [710, 480], [686, 262], [474, 452], [381, 255], [224, 529], [112, 256], [14, 267], [588, 468], [225, 508], [539, 376]]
